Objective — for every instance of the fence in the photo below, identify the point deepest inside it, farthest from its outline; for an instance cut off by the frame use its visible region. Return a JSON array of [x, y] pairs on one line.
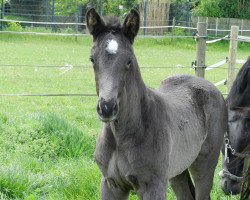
[[222, 26], [199, 64], [31, 27], [231, 60], [50, 16], [44, 13]]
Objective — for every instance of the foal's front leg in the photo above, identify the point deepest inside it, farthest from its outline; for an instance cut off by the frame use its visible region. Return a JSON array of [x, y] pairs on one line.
[[108, 192], [156, 190]]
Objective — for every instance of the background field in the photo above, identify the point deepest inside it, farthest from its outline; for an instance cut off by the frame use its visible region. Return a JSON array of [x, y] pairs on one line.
[[47, 143]]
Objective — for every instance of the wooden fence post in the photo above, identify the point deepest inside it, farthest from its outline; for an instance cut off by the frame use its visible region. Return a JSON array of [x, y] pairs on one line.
[[76, 25], [145, 16], [172, 31], [201, 49], [217, 21], [242, 26], [232, 56], [53, 16]]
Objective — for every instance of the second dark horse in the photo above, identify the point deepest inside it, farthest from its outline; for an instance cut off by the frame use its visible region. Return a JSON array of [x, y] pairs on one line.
[[236, 148]]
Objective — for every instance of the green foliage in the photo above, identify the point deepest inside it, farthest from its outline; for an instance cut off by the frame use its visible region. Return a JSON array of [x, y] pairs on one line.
[[3, 119], [208, 8], [15, 182], [80, 180], [179, 31], [112, 7], [13, 26], [16, 17], [29, 179], [178, 9], [66, 139], [223, 8], [68, 7], [47, 136]]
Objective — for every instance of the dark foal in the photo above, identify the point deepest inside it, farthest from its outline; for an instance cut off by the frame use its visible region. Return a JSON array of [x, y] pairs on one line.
[[151, 136]]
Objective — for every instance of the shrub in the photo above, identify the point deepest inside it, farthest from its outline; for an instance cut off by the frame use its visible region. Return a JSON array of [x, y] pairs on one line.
[[179, 31], [13, 26]]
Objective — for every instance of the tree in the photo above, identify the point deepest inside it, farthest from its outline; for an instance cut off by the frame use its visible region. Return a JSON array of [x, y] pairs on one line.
[[118, 7], [26, 8], [180, 9], [223, 8], [68, 7]]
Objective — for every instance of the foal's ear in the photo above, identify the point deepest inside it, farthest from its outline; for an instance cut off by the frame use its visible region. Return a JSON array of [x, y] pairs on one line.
[[94, 22], [131, 25]]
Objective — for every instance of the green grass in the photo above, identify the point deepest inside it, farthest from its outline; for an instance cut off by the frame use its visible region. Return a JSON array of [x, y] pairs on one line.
[[47, 143]]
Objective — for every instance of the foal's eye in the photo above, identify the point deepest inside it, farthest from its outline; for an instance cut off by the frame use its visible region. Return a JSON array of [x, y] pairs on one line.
[[128, 64], [91, 59]]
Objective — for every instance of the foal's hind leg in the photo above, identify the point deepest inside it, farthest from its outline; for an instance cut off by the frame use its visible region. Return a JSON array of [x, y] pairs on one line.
[[183, 186], [111, 193], [202, 171]]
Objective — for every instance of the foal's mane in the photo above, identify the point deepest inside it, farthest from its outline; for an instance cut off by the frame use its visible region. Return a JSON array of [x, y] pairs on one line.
[[239, 83]]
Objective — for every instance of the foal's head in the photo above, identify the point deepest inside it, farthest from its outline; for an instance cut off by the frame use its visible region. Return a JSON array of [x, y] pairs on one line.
[[112, 57]]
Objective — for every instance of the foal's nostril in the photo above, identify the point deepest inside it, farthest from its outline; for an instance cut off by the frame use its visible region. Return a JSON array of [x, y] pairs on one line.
[[115, 108], [107, 109], [98, 108]]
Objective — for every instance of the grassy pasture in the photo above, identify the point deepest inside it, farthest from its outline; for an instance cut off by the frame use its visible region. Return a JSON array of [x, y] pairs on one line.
[[47, 143]]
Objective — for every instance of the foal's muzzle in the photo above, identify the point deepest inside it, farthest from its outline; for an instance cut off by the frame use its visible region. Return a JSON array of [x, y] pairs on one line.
[[107, 109]]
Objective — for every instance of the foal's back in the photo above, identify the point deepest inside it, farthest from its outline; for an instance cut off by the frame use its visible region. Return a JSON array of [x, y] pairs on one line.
[[190, 91], [198, 118]]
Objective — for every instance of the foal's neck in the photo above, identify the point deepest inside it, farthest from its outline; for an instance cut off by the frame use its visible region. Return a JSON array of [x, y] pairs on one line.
[[135, 91], [134, 103]]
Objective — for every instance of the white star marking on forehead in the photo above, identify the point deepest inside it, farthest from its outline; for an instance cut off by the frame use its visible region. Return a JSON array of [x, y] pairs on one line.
[[112, 46]]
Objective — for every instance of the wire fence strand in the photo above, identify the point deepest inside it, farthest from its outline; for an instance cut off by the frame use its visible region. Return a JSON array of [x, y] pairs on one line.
[[48, 95]]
